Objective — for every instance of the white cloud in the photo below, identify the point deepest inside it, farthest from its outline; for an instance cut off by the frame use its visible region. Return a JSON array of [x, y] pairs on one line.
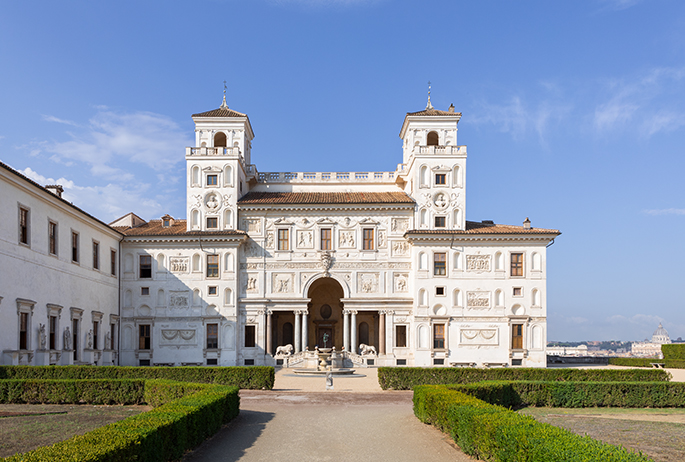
[[651, 102], [111, 200], [50, 118], [110, 137], [637, 319], [519, 118], [671, 211]]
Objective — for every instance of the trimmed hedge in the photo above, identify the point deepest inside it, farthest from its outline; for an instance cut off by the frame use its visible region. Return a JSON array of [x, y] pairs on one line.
[[577, 394], [252, 377], [161, 434], [72, 391], [406, 378], [495, 433], [647, 362], [674, 351]]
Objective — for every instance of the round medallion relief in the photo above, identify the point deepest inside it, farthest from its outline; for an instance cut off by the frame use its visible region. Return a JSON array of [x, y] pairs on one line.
[[326, 311], [212, 201], [441, 200]]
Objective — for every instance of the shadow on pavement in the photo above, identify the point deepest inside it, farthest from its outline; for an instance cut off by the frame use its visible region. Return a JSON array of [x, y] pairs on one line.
[[233, 440]]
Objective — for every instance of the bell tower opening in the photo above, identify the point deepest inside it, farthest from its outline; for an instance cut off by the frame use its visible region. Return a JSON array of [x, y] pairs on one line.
[[325, 327], [432, 139], [220, 140]]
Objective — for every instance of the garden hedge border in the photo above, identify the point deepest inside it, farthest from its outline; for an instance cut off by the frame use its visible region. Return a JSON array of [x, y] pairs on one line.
[[674, 351], [577, 394], [250, 377], [492, 432], [406, 378], [162, 434], [99, 391], [647, 362]]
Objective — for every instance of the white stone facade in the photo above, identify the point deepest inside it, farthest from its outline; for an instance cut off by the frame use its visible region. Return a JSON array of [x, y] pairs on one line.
[[59, 279], [384, 260]]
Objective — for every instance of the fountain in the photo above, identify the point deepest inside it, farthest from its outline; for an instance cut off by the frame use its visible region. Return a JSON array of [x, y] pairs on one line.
[[322, 356]]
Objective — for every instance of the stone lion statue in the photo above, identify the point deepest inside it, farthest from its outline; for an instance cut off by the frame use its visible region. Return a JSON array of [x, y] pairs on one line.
[[285, 350], [367, 349]]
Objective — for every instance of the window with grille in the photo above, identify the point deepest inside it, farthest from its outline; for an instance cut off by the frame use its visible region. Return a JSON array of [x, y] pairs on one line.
[[440, 222], [23, 226], [212, 266], [440, 178], [368, 243], [145, 270], [144, 337], [283, 239], [326, 239], [440, 264], [517, 264], [52, 238], [438, 336], [212, 336]]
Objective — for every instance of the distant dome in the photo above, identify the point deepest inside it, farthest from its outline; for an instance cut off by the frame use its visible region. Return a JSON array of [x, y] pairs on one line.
[[660, 335]]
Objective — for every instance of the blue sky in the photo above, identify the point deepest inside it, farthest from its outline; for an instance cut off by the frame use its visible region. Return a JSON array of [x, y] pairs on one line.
[[573, 113]]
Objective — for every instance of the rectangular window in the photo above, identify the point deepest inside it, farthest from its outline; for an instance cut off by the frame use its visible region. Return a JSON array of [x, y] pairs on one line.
[[145, 267], [144, 337], [23, 331], [401, 336], [212, 336], [113, 262], [74, 337], [368, 243], [250, 337], [439, 264], [439, 336], [212, 222], [74, 247], [212, 290], [439, 291], [96, 329], [212, 266], [23, 226], [517, 264], [52, 237], [144, 291], [518, 291], [212, 180], [53, 333], [112, 343], [517, 336], [96, 255], [283, 239], [326, 239], [440, 222], [440, 178]]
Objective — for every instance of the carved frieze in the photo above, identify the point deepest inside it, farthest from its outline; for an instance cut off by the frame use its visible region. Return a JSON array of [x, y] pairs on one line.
[[177, 337], [178, 264], [269, 244], [399, 225], [179, 299], [367, 283], [251, 283], [282, 283], [401, 282], [251, 225], [478, 263], [478, 300], [305, 239], [382, 238], [317, 265], [478, 336], [347, 239], [400, 248]]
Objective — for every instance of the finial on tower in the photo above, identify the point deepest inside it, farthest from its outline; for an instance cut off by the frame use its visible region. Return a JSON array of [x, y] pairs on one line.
[[223, 104], [429, 105]]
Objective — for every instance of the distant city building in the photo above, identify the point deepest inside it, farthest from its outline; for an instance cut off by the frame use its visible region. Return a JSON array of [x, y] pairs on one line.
[[580, 350], [653, 348]]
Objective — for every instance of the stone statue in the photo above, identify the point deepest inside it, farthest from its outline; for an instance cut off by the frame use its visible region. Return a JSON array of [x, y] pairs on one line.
[[67, 338], [89, 340], [367, 350], [285, 350], [41, 336], [329, 380]]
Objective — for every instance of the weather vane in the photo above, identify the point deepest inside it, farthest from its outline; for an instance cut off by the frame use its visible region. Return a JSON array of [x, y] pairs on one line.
[[223, 104], [429, 105]]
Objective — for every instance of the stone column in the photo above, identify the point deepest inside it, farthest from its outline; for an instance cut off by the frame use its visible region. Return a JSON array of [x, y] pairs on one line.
[[305, 339], [269, 331], [353, 332], [346, 330], [298, 332], [381, 332]]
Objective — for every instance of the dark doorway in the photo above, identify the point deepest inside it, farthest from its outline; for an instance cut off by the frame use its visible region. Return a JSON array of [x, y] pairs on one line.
[[325, 313]]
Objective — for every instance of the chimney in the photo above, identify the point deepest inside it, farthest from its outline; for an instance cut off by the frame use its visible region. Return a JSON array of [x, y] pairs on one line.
[[526, 223], [55, 189]]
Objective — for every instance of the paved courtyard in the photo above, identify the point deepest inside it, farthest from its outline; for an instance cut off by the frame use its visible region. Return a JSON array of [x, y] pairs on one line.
[[299, 421]]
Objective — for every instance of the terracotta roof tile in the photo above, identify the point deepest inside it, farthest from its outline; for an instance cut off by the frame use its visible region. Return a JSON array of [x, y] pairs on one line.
[[260, 198], [221, 112], [475, 227], [155, 228], [433, 112]]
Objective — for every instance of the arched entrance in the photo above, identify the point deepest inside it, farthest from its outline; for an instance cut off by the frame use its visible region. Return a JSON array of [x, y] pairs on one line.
[[325, 314]]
